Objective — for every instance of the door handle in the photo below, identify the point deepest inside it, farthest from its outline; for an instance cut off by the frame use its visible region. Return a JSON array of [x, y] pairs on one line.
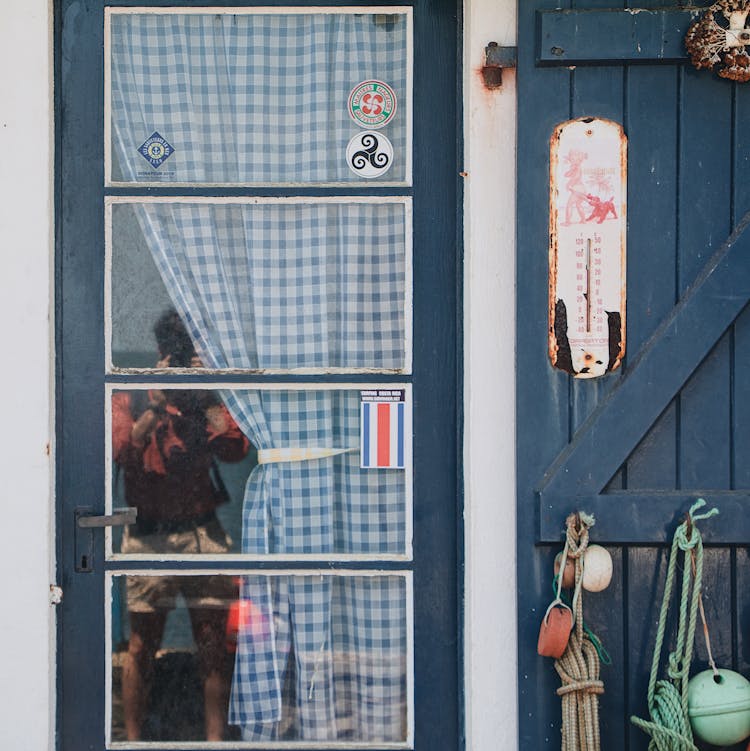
[[85, 523], [119, 518]]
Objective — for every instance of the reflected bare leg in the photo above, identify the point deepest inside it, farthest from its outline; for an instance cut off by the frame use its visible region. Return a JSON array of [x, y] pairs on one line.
[[209, 632], [146, 630]]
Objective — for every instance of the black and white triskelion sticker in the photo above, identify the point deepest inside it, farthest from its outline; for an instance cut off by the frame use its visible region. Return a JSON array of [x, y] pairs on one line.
[[372, 104], [369, 154]]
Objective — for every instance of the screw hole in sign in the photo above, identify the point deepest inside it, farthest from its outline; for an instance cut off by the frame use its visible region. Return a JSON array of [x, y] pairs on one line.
[[587, 296]]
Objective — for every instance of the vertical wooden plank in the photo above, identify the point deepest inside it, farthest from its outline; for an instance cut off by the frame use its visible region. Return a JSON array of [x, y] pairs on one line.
[[704, 223], [596, 92], [742, 611], [646, 575], [740, 468], [80, 360], [705, 423], [652, 244], [741, 332], [601, 615], [542, 391], [717, 601]]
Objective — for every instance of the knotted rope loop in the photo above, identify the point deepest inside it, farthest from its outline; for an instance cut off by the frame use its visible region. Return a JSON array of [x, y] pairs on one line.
[[577, 533], [578, 668], [589, 687], [669, 726]]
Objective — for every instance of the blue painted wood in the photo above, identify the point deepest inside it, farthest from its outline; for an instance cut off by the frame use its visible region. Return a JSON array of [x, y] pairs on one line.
[[740, 356], [597, 93], [436, 388], [642, 516], [652, 129], [663, 366], [639, 448], [542, 390], [626, 35]]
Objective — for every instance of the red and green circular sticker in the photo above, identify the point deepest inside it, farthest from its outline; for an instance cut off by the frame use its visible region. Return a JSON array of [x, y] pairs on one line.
[[372, 104]]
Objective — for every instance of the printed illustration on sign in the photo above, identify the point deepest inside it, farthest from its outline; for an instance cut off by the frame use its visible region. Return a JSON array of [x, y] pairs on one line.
[[369, 154], [383, 429], [587, 247], [372, 104], [155, 150]]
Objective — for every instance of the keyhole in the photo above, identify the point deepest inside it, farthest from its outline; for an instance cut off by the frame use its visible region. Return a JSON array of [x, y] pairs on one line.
[[84, 561]]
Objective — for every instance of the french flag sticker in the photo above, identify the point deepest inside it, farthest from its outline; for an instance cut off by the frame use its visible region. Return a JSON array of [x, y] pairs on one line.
[[383, 429]]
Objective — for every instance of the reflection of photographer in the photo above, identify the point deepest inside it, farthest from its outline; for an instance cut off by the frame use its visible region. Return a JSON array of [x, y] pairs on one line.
[[166, 443]]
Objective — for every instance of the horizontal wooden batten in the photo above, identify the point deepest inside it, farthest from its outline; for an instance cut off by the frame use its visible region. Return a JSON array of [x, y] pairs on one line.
[[649, 516], [633, 35]]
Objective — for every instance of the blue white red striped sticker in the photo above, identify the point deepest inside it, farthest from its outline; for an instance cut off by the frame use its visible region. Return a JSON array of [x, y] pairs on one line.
[[383, 429]]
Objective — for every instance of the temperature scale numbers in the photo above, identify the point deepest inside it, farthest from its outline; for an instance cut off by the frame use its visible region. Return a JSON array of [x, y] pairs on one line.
[[591, 318]]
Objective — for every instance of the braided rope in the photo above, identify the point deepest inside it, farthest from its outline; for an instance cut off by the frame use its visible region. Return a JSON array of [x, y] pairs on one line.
[[669, 726], [578, 668]]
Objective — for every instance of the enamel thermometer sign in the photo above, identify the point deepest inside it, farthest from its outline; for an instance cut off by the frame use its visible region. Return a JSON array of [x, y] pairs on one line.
[[588, 160]]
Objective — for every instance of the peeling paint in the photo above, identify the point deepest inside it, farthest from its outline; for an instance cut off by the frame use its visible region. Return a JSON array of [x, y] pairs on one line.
[[587, 252]]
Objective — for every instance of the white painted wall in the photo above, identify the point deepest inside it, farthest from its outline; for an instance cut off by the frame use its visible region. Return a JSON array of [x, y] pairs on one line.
[[489, 405], [26, 231], [26, 652]]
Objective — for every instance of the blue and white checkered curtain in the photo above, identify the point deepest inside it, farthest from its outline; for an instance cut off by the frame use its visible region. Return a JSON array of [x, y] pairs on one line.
[[338, 672], [250, 98], [300, 285], [282, 285]]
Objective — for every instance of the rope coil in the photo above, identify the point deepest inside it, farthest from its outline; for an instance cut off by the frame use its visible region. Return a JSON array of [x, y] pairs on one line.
[[669, 726], [578, 668]]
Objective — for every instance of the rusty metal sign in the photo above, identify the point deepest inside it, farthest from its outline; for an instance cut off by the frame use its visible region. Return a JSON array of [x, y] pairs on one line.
[[588, 174]]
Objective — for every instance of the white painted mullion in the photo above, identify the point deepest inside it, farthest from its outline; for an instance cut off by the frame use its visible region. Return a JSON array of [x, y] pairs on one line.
[[108, 95]]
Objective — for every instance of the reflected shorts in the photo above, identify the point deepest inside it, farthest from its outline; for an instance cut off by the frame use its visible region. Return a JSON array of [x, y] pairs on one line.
[[151, 594]]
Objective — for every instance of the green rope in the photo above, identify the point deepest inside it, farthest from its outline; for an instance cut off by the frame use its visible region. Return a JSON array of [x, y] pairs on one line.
[[669, 727]]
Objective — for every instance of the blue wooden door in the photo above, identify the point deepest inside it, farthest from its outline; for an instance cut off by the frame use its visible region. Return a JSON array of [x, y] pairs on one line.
[[226, 131], [635, 447]]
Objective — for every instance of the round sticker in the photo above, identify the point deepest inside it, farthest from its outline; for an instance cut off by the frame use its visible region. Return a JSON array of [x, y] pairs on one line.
[[372, 104], [369, 154]]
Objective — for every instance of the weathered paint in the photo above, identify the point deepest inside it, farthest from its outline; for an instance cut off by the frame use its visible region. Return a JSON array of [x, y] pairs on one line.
[[688, 340], [587, 253]]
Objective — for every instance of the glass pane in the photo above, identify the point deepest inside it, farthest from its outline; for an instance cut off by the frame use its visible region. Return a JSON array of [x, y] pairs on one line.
[[275, 470], [258, 98], [295, 658], [282, 285]]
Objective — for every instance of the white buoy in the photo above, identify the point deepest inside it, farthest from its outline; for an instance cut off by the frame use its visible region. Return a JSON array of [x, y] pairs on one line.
[[597, 568]]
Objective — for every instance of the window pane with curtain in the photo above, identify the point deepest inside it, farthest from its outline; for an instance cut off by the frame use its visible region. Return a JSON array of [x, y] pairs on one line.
[[255, 471], [268, 284], [257, 98], [276, 284], [339, 671]]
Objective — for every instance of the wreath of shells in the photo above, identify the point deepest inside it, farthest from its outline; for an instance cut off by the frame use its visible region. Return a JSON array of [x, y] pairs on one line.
[[717, 40]]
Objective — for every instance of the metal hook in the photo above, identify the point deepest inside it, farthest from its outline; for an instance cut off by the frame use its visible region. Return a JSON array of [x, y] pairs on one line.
[[688, 526]]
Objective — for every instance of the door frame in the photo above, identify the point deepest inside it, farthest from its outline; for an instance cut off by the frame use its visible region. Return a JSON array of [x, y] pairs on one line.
[[81, 372]]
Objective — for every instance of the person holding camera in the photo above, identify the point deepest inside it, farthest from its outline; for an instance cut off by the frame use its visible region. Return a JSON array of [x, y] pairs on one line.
[[166, 443]]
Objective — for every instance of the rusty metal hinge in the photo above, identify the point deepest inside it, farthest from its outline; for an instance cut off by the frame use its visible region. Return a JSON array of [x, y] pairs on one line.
[[495, 59]]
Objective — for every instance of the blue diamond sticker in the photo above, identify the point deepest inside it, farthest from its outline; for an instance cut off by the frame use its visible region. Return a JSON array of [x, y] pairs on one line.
[[155, 150]]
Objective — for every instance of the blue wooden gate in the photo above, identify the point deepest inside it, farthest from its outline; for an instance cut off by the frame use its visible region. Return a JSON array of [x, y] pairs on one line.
[[637, 446]]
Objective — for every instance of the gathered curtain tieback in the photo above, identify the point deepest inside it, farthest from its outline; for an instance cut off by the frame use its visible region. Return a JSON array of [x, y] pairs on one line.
[[276, 456]]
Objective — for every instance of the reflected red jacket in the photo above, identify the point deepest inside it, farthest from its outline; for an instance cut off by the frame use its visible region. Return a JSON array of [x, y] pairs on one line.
[[168, 477]]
